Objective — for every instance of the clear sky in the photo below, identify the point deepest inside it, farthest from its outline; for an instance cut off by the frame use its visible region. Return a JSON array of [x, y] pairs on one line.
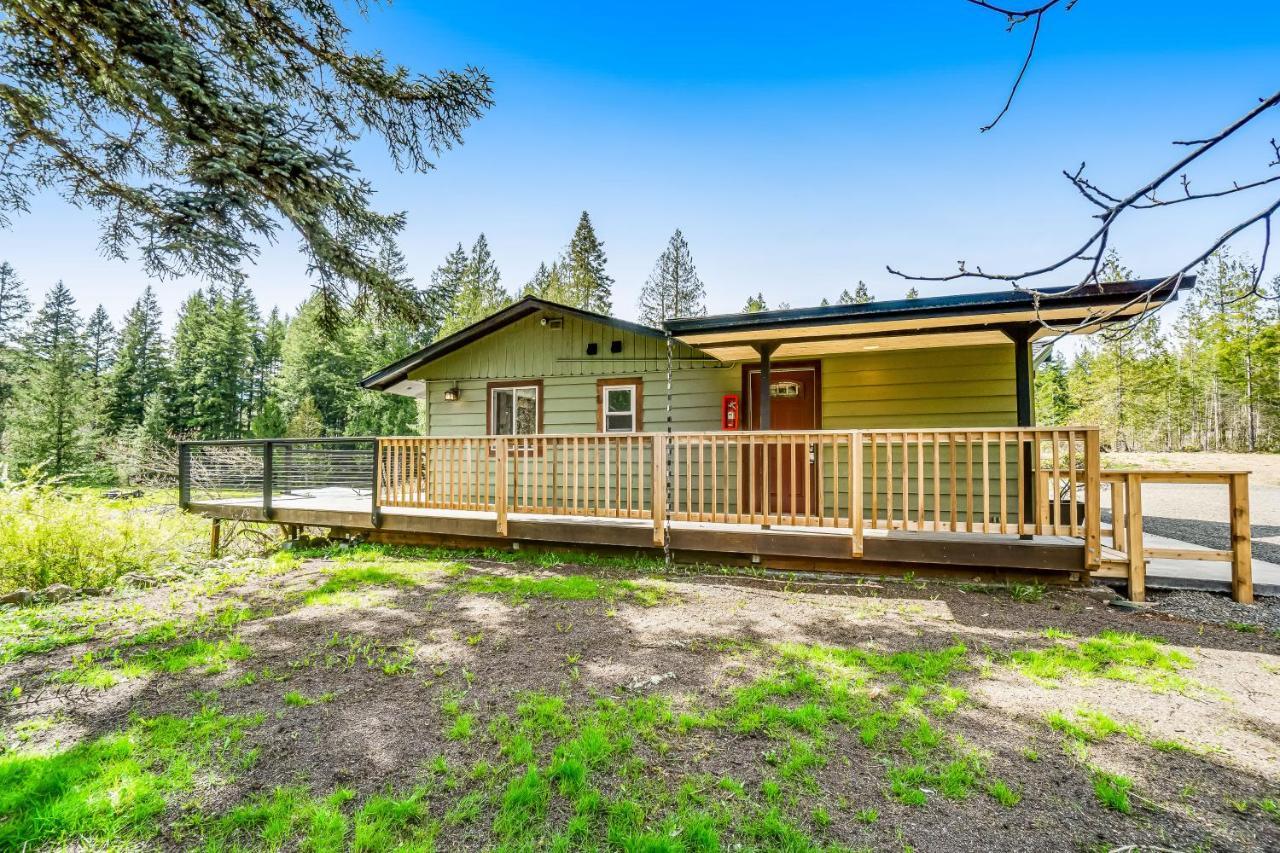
[[801, 146]]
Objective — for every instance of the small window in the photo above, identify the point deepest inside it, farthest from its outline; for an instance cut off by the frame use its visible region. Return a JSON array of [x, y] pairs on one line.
[[619, 408], [514, 411]]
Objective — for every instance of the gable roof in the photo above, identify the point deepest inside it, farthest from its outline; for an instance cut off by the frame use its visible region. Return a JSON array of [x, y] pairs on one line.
[[960, 319], [526, 307]]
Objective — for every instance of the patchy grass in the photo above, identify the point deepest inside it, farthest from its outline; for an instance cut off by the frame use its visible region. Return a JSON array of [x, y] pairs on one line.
[[1110, 654], [520, 588], [343, 584], [114, 788], [756, 744]]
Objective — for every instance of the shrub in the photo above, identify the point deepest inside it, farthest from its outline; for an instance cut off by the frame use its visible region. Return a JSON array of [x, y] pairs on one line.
[[51, 534]]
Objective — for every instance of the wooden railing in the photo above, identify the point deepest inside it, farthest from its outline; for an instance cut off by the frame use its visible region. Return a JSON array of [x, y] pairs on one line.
[[1011, 481], [1127, 533]]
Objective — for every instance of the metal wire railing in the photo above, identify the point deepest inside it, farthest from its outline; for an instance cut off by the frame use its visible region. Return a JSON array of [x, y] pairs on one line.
[[266, 473]]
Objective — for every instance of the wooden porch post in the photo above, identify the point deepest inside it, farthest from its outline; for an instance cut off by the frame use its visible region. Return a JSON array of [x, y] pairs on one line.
[[215, 538], [855, 496], [1137, 574], [500, 486], [1092, 501], [659, 491], [766, 363], [1241, 557]]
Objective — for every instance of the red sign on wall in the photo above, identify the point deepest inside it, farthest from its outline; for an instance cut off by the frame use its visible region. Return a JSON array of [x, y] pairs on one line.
[[729, 412]]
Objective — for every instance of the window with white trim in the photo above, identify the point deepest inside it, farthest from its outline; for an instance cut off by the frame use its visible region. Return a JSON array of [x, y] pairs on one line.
[[618, 408], [514, 411]]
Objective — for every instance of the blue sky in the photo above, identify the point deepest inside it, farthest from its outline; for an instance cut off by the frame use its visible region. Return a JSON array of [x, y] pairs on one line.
[[800, 147]]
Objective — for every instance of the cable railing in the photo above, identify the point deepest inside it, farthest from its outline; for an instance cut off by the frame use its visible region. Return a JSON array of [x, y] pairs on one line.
[[267, 473]]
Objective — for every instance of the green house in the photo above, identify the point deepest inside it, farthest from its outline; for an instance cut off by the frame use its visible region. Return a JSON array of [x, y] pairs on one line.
[[964, 361]]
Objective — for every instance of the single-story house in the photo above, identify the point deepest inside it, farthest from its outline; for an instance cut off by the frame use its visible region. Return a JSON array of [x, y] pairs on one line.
[[935, 362]]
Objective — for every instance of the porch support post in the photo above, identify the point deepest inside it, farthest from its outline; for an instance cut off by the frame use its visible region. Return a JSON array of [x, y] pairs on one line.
[[766, 364], [500, 485], [1241, 544], [1024, 387], [215, 538]]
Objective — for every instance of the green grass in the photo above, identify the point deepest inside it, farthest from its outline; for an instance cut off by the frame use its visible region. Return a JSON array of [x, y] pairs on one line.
[[114, 788], [1119, 656], [520, 588], [1112, 790], [107, 670], [51, 534], [339, 587]]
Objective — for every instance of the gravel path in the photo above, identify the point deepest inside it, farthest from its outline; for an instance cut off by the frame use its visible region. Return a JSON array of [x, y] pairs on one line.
[[1264, 615]]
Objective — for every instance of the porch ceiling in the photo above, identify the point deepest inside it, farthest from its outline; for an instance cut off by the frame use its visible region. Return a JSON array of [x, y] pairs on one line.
[[971, 320]]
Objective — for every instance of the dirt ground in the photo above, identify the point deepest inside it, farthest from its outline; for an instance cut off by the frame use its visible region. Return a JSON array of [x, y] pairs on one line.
[[736, 710]]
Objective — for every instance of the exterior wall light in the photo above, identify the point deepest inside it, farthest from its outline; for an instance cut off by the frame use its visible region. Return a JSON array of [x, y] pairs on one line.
[[452, 394]]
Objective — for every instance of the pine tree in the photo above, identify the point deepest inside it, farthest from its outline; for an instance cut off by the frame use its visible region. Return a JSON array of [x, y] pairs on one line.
[[268, 343], [673, 288], [589, 286], [375, 412], [141, 366], [318, 373], [99, 341], [198, 129], [270, 422], [913, 293], [447, 282], [861, 295], [1053, 404], [14, 307], [755, 304], [481, 292], [550, 283], [49, 425], [227, 385], [186, 386]]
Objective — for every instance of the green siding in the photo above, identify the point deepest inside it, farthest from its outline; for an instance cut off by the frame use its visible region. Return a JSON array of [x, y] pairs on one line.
[[920, 389], [528, 350], [895, 389]]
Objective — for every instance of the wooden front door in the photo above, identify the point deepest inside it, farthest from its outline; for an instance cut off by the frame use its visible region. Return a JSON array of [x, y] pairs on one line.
[[794, 406]]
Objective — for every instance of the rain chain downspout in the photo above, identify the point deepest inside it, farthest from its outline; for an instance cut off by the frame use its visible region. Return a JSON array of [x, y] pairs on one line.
[[670, 471]]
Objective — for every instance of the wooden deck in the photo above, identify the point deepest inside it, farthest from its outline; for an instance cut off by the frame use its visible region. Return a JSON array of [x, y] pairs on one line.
[[1055, 559], [986, 503]]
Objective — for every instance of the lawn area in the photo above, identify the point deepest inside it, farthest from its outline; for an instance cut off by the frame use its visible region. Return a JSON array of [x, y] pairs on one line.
[[376, 699]]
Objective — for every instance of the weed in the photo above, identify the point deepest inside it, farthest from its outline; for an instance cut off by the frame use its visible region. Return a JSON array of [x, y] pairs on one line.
[[1112, 790], [867, 816], [1003, 794]]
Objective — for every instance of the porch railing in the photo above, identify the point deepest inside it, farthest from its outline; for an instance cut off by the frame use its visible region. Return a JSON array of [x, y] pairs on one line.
[[1028, 482], [1011, 481]]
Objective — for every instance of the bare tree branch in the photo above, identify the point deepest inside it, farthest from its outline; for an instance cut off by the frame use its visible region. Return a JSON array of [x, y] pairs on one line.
[[1016, 17]]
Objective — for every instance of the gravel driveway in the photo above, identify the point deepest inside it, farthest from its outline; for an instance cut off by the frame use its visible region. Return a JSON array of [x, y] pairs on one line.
[[1199, 514]]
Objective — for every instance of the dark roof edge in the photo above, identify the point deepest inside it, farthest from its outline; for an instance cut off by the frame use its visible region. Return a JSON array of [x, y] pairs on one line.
[[393, 373], [965, 303]]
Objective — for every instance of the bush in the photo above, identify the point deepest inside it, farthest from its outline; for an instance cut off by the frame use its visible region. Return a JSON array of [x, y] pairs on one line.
[[51, 534]]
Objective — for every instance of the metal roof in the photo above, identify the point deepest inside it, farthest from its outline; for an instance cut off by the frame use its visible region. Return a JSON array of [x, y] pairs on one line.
[[972, 319]]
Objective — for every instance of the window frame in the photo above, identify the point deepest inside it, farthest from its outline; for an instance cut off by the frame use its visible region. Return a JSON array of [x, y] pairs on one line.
[[636, 384], [490, 410]]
